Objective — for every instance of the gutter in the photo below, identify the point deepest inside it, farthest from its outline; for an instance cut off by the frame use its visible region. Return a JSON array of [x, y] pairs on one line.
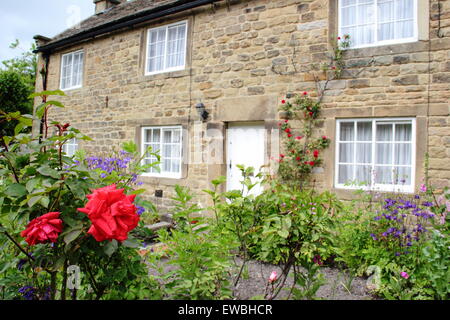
[[125, 22]]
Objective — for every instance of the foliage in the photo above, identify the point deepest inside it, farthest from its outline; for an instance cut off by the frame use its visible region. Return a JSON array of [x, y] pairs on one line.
[[201, 259], [38, 177], [282, 225], [14, 97], [25, 65], [399, 234]]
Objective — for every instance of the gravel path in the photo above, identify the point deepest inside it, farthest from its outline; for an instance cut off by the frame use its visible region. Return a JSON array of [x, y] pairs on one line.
[[253, 283]]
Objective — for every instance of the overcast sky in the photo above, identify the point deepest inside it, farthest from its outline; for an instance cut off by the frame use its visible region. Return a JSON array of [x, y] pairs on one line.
[[23, 19]]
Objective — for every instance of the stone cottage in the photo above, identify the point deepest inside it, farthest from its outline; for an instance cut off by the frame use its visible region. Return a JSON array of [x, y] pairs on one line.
[[202, 82]]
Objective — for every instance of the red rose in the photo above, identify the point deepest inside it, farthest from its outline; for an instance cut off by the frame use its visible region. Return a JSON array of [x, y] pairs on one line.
[[298, 158], [287, 130], [283, 101], [324, 137], [316, 153], [305, 93], [311, 163], [299, 137], [339, 38], [194, 221], [333, 67], [281, 155], [111, 212], [310, 113], [289, 135], [43, 229]]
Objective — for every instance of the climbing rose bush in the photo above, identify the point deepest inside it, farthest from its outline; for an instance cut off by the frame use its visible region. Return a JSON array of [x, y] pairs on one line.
[[43, 229], [112, 213]]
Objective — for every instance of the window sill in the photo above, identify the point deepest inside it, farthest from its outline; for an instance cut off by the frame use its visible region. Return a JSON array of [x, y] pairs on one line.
[[168, 181], [167, 74], [354, 194], [71, 89], [387, 49]]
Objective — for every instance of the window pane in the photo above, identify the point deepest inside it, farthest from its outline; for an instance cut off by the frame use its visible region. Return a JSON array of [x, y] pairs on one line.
[[403, 132], [402, 175], [176, 151], [385, 11], [348, 16], [156, 135], [346, 152], [363, 153], [386, 31], [176, 166], [176, 136], [383, 152], [363, 174], [383, 175], [347, 131], [404, 9], [404, 29], [364, 131], [345, 174], [402, 153], [167, 136], [384, 132], [167, 165], [348, 2], [167, 151]]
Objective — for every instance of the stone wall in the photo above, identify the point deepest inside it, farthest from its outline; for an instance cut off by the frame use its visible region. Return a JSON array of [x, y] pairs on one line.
[[250, 55]]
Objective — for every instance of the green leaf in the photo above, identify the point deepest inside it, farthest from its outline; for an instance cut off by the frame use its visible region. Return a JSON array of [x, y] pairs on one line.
[[47, 171], [131, 243], [283, 233], [72, 235], [16, 190], [45, 201], [31, 184], [32, 201], [139, 191], [110, 248], [48, 93]]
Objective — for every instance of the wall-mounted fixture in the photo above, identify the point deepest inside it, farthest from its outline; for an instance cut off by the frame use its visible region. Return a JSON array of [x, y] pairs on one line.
[[202, 111]]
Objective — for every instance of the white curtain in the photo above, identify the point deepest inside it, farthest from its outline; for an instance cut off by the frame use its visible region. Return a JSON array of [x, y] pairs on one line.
[[157, 46], [77, 69], [395, 20], [176, 46], [66, 70]]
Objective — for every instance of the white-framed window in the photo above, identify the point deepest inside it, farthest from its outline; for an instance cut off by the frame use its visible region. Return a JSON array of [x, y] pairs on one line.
[[378, 22], [166, 48], [376, 154], [167, 142], [71, 70], [70, 147]]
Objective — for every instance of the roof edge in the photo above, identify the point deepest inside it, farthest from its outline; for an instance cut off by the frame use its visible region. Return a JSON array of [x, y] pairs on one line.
[[128, 21]]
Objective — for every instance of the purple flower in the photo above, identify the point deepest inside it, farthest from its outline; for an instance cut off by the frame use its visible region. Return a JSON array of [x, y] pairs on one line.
[[427, 204], [404, 275], [28, 292], [103, 175], [374, 237], [140, 210]]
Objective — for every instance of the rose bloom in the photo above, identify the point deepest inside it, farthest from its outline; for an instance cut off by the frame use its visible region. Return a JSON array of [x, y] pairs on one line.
[[43, 229], [404, 275], [111, 212], [273, 277], [316, 153], [283, 101]]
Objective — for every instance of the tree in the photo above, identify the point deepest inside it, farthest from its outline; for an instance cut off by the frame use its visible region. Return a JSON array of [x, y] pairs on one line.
[[25, 65], [17, 82], [14, 96]]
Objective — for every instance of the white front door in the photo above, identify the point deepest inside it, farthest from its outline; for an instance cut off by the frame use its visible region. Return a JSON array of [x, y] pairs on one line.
[[245, 146]]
